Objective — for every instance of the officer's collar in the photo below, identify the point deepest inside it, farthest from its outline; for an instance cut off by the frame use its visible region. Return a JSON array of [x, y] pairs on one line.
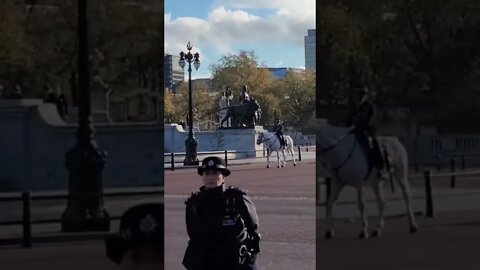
[[219, 188]]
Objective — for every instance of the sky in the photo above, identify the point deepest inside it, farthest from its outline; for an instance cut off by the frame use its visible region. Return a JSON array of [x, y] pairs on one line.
[[274, 29]]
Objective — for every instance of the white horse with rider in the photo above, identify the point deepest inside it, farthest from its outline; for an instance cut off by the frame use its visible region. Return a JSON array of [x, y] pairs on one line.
[[272, 143], [346, 161]]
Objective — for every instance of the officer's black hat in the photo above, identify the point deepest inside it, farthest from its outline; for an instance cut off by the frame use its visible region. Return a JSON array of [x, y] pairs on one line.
[[213, 163], [139, 225]]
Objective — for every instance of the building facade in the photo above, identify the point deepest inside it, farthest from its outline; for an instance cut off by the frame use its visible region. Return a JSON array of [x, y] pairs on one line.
[[173, 73], [281, 72], [310, 50]]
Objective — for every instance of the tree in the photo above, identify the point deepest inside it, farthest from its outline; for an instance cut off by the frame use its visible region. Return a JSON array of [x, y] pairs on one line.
[[243, 69], [204, 105], [238, 70], [125, 44], [299, 103], [15, 50], [414, 53]]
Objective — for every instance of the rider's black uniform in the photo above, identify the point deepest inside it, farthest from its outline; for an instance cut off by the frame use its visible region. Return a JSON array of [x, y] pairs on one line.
[[279, 133], [362, 118]]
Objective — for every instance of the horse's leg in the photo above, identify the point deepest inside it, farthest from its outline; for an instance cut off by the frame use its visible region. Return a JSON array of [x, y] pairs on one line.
[[292, 154], [336, 188], [268, 156], [278, 158], [284, 158], [379, 194], [363, 215], [405, 188]]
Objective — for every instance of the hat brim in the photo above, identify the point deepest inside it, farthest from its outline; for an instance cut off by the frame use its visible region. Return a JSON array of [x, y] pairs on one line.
[[224, 170]]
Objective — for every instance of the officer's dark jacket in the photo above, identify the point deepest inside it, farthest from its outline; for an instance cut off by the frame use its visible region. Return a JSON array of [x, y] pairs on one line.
[[363, 115], [213, 245]]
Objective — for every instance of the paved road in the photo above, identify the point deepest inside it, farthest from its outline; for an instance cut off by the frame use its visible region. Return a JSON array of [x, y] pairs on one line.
[[71, 256], [447, 241], [285, 200]]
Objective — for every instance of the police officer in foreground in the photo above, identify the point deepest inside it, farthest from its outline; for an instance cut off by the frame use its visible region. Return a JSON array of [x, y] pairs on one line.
[[221, 222], [140, 242]]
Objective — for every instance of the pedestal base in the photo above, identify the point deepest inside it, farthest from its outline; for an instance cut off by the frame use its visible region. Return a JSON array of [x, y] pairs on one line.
[[85, 209], [191, 152]]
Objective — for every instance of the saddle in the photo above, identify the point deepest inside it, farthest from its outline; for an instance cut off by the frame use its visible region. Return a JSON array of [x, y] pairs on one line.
[[282, 139], [375, 157]]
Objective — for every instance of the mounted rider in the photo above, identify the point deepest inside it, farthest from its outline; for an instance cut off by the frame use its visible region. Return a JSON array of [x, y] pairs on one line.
[[279, 133], [362, 117]]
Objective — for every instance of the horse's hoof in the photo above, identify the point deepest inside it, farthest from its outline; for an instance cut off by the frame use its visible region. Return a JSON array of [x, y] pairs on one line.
[[413, 229], [376, 233], [363, 235], [268, 166], [329, 235], [278, 166], [294, 164]]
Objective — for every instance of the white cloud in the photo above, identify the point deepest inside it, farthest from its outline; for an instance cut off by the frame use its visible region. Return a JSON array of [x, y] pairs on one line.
[[231, 22]]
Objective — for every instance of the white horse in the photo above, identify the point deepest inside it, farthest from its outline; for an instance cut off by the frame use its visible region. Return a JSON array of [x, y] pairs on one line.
[[339, 149], [272, 143]]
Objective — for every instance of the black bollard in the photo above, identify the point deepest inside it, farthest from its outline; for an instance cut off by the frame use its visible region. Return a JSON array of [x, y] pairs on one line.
[[452, 169], [428, 194], [27, 221]]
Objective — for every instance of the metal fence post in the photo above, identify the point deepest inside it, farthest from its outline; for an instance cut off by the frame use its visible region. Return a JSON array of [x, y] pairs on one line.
[[226, 158], [428, 194], [299, 154], [452, 168], [27, 221], [172, 161]]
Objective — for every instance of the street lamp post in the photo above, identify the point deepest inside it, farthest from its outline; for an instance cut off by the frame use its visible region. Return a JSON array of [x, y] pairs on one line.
[[191, 142], [85, 161]]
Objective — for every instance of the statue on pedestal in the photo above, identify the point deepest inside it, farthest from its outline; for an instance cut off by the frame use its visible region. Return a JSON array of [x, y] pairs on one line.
[[245, 115]]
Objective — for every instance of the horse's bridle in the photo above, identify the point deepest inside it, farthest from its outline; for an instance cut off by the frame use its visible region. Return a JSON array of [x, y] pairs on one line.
[[335, 144], [337, 169], [267, 139]]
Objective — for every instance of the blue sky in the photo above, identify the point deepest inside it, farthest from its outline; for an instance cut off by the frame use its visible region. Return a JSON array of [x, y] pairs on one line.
[[274, 29]]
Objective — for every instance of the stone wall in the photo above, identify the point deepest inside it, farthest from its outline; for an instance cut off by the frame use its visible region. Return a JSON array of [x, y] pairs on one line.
[[241, 140], [34, 140]]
